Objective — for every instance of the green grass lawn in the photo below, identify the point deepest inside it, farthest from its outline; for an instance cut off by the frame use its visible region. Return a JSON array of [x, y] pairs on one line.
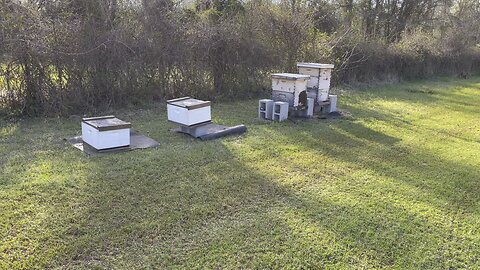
[[395, 184]]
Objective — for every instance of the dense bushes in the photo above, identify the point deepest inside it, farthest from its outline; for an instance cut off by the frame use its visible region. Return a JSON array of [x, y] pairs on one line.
[[76, 56], [417, 56]]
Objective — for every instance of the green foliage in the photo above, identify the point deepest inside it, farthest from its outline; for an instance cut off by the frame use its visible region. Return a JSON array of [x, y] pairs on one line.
[[394, 184]]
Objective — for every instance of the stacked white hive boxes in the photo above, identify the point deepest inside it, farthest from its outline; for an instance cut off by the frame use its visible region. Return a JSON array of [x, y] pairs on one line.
[[288, 87], [319, 83]]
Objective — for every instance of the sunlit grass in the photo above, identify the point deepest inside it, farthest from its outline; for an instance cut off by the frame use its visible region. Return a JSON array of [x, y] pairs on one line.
[[393, 185]]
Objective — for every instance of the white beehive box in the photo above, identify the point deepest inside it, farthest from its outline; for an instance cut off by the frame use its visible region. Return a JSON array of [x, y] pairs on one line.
[[105, 132], [288, 86], [188, 111], [320, 77], [320, 74], [289, 82], [323, 94]]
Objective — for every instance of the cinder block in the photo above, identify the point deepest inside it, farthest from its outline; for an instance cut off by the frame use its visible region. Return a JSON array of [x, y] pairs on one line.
[[280, 111], [310, 106], [333, 103], [265, 109]]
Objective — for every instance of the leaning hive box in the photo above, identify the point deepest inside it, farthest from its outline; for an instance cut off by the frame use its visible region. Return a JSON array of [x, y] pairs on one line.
[[320, 77], [105, 132], [188, 111], [291, 88]]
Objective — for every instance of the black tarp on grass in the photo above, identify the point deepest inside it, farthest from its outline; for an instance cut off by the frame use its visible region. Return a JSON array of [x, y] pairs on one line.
[[137, 141]]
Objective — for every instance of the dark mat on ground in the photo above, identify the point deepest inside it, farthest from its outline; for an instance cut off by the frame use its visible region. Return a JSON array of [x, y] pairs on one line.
[[328, 116], [334, 115], [211, 131], [137, 141]]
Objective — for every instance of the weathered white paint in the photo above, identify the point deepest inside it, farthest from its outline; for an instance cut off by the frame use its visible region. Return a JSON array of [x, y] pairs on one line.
[[323, 83], [318, 73], [314, 75], [320, 77], [323, 94], [289, 83]]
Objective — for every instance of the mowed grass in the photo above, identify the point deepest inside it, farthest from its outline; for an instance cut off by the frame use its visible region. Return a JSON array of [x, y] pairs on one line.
[[395, 184]]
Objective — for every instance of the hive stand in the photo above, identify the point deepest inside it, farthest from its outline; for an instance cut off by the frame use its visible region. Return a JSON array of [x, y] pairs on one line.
[[310, 107], [333, 103], [308, 112]]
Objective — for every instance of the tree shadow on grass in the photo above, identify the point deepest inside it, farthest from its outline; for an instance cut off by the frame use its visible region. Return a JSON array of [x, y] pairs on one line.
[[193, 204], [406, 182], [355, 143], [412, 166], [451, 129], [204, 207], [434, 93]]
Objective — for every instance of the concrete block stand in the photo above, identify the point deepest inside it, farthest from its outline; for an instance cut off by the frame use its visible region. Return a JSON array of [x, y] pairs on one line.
[[310, 106], [265, 109], [333, 103], [280, 111]]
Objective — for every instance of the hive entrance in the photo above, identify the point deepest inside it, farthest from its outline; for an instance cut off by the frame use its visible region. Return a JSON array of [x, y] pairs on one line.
[[302, 99]]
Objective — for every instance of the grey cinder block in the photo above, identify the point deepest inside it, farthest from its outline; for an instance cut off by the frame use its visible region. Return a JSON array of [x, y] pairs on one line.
[[265, 109], [333, 103], [310, 106], [280, 111]]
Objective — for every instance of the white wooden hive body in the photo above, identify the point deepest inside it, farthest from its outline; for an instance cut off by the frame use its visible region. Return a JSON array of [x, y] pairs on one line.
[[105, 136], [188, 112]]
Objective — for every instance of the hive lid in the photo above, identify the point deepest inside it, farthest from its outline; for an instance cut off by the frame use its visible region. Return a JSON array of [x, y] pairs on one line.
[[290, 76], [105, 123], [188, 103], [315, 65]]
